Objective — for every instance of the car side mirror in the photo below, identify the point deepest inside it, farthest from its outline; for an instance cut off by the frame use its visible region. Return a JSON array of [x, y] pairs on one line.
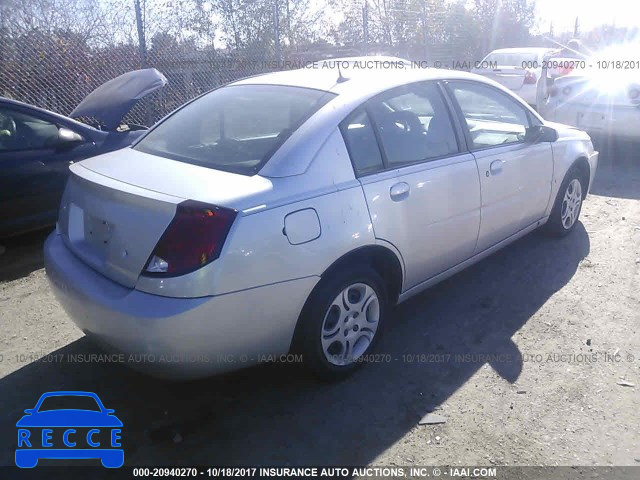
[[29, 411], [68, 138], [541, 133], [109, 411]]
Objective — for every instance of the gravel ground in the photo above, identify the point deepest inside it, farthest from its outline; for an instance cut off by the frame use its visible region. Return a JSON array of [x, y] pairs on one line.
[[523, 354]]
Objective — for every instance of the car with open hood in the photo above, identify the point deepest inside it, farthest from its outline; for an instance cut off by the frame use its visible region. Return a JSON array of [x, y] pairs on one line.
[[37, 146], [284, 213]]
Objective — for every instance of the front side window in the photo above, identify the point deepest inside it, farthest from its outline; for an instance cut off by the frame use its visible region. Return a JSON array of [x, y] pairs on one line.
[[20, 131], [414, 125], [492, 118], [235, 128]]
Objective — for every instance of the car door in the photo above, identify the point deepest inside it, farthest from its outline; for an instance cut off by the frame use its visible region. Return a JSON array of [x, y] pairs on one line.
[[34, 168], [422, 190], [515, 174]]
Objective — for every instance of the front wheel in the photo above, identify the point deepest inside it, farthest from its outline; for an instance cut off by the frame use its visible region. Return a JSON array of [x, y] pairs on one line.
[[568, 205], [341, 322]]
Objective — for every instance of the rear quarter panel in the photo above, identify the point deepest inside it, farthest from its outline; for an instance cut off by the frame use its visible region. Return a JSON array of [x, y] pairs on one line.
[[258, 252]]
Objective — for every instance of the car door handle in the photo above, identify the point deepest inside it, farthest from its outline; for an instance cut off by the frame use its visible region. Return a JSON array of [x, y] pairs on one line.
[[399, 191], [496, 167]]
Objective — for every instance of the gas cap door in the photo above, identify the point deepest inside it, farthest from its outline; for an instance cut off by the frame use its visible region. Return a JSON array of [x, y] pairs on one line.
[[302, 226]]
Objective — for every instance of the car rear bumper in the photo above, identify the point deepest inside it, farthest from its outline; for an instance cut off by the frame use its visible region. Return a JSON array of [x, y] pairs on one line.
[[177, 338], [600, 121]]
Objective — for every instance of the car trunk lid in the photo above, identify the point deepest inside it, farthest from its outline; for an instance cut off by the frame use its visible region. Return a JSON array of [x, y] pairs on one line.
[[117, 206], [112, 226]]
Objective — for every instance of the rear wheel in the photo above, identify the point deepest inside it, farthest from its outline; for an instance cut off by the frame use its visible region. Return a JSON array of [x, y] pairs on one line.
[[342, 321], [568, 204]]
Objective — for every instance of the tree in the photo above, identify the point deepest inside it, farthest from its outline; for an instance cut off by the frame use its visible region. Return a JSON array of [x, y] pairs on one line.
[[504, 23]]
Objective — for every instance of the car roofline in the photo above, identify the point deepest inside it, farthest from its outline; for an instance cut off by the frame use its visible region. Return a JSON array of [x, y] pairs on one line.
[[520, 49]]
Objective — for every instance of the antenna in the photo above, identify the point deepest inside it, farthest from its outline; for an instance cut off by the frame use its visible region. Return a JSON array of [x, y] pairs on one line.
[[341, 79]]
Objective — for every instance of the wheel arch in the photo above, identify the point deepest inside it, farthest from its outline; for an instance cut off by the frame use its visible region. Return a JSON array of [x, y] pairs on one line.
[[581, 164], [381, 258]]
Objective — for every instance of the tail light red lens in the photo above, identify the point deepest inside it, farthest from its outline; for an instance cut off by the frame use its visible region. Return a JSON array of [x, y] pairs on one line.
[[530, 77], [193, 239]]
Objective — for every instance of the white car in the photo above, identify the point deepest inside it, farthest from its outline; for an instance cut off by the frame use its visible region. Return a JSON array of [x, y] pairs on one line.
[[288, 211], [518, 69], [603, 102]]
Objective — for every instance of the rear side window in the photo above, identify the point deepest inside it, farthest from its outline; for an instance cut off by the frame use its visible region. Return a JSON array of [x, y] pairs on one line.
[[361, 142], [414, 124], [235, 128]]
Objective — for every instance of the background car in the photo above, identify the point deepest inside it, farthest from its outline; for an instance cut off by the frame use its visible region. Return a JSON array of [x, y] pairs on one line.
[[594, 97], [286, 212], [518, 69], [37, 147]]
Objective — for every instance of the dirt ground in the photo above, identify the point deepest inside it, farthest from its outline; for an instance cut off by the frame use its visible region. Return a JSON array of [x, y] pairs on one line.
[[523, 354]]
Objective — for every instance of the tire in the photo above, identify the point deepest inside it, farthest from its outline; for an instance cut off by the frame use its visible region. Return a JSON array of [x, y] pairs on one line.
[[566, 209], [342, 321]]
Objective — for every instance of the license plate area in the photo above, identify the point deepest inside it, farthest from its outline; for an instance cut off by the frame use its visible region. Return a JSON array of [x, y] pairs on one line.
[[89, 234], [97, 232]]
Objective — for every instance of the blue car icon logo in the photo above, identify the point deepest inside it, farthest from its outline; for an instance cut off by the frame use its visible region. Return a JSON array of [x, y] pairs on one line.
[[69, 425]]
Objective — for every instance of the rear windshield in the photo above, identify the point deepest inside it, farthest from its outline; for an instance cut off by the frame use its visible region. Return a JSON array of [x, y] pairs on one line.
[[235, 128], [513, 59]]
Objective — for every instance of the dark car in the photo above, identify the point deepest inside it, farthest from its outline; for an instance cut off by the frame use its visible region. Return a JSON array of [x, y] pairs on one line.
[[37, 146]]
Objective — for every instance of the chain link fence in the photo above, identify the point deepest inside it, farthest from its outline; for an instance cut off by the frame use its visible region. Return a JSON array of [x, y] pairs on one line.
[[55, 52]]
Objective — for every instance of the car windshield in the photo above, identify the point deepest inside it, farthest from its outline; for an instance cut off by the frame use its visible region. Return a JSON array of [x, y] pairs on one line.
[[235, 128], [512, 59], [69, 402]]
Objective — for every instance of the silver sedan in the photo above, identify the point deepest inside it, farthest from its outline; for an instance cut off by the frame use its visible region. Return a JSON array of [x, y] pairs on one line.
[[287, 212]]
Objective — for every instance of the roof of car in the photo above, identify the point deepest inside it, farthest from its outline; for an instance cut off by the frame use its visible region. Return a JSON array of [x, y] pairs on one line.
[[325, 75], [522, 50]]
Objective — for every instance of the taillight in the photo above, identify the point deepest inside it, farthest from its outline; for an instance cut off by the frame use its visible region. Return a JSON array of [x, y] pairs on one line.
[[530, 77], [193, 239]]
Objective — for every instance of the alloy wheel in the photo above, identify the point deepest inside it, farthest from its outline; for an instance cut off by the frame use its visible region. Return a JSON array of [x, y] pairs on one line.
[[571, 204], [350, 324]]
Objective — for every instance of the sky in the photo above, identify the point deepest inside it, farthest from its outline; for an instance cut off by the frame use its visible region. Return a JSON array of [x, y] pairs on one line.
[[590, 13]]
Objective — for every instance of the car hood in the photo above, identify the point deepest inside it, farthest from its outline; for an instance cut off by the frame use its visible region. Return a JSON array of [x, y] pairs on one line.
[[111, 101], [69, 418], [568, 132]]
